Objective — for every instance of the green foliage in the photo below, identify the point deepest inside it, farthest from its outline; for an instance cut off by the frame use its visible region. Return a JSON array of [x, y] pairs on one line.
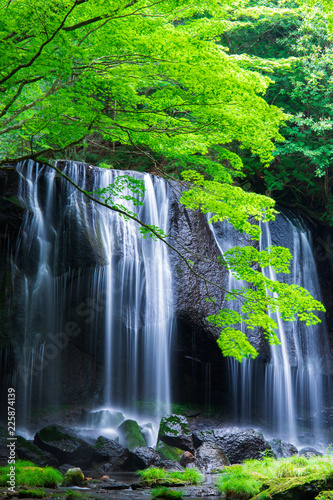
[[166, 493], [26, 473], [69, 77]]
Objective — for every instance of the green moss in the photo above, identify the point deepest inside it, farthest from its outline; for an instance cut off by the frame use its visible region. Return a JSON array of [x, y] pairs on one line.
[[31, 494], [168, 452], [74, 477], [170, 425], [287, 478], [53, 433], [74, 495], [131, 435], [166, 493]]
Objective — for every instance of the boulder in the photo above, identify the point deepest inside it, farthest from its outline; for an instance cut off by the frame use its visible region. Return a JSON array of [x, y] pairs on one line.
[[210, 458], [74, 477], [108, 450], [238, 444], [282, 449], [143, 457], [186, 459], [175, 431], [309, 452], [130, 435], [26, 450], [172, 465], [65, 445]]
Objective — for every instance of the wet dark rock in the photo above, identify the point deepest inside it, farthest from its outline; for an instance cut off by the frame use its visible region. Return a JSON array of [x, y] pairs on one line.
[[282, 449], [210, 458], [116, 454], [172, 465], [309, 452], [143, 457], [26, 450], [238, 444], [114, 485], [186, 459], [130, 434], [65, 445], [175, 431]]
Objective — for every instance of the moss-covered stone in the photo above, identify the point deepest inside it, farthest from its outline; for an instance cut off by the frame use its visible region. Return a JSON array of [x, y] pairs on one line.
[[131, 435], [74, 477], [325, 495], [168, 452], [297, 488], [31, 494], [28, 451], [175, 431]]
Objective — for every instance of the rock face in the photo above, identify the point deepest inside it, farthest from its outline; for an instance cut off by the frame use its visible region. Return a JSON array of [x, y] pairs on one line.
[[116, 454], [175, 431], [237, 444]]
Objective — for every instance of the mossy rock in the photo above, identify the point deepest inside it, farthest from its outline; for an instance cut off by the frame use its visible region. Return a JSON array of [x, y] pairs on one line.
[[74, 477], [297, 488], [325, 495], [65, 445], [175, 431], [168, 452], [31, 494], [28, 451], [131, 435]]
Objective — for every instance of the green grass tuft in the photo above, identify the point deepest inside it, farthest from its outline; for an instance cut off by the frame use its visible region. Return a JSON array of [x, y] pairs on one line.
[[28, 474], [166, 493], [189, 476], [152, 474]]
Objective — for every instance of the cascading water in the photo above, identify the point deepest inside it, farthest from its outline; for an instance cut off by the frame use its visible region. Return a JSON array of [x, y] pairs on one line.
[[282, 390], [92, 282]]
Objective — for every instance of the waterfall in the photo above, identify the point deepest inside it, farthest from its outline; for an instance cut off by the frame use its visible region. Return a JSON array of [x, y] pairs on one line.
[[282, 390], [89, 285]]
